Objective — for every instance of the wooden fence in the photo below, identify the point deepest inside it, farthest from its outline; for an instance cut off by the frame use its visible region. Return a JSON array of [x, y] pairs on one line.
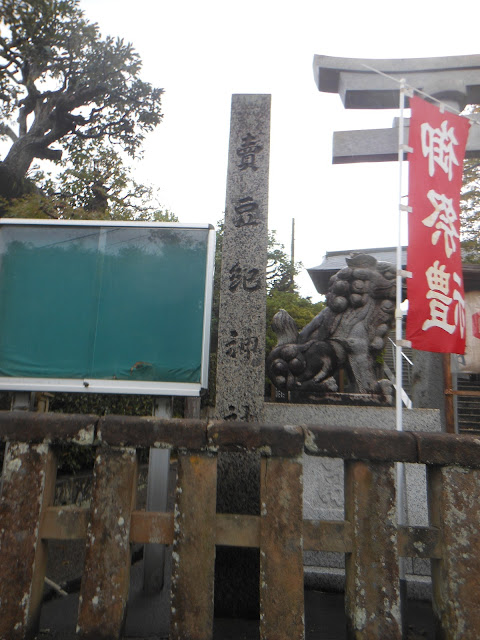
[[369, 535]]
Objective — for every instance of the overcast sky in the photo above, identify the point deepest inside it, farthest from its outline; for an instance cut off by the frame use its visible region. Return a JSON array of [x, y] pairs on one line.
[[203, 52]]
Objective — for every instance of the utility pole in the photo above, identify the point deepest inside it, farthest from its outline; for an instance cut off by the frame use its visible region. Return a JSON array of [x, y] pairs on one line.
[[292, 254]]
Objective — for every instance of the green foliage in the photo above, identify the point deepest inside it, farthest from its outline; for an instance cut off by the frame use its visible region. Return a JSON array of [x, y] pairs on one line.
[[33, 205], [470, 211], [470, 207], [282, 292], [60, 81], [101, 404], [281, 271], [72, 458], [95, 184]]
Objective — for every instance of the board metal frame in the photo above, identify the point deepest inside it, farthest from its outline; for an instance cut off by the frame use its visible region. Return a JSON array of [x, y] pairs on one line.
[[98, 385]]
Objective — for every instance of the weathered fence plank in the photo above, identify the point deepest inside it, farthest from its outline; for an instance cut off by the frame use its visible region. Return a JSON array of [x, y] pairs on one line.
[[238, 530], [372, 586], [36, 428], [455, 510], [418, 542], [193, 570], [28, 488], [104, 590], [151, 527], [327, 535], [369, 535], [64, 523], [281, 549]]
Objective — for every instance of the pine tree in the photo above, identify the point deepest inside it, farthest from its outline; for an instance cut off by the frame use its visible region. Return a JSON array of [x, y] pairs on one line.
[[60, 81], [470, 207]]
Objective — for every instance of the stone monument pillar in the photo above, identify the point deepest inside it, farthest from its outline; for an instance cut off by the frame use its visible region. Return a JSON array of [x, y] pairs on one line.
[[241, 340], [241, 330]]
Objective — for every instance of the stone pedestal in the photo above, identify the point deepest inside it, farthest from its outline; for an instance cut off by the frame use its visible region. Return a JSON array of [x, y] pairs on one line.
[[428, 385]]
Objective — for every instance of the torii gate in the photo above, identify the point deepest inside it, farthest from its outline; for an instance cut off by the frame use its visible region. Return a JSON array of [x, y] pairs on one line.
[[376, 84], [453, 80]]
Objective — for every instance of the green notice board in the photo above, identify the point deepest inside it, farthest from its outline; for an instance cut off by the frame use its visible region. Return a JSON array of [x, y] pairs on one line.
[[120, 308]]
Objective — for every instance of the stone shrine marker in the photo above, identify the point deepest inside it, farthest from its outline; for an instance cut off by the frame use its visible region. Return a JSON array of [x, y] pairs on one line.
[[241, 339], [241, 331]]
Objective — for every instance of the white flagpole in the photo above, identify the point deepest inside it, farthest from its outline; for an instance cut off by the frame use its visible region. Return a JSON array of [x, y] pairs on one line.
[[401, 489], [398, 310]]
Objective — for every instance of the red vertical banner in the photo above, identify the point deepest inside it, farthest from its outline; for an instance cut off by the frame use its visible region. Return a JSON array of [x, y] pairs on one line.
[[436, 299]]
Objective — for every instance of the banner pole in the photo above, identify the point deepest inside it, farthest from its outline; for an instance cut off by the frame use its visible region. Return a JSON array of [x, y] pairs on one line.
[[401, 479], [398, 310]]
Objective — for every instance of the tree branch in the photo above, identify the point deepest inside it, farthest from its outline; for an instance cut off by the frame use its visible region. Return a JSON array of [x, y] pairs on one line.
[[7, 131], [49, 154], [91, 89], [101, 131], [11, 74]]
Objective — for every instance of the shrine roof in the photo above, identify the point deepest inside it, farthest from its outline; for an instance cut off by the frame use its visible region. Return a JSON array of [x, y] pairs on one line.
[[336, 260]]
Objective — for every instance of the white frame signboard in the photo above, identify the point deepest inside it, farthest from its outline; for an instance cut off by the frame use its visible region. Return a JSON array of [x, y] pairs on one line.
[[105, 307]]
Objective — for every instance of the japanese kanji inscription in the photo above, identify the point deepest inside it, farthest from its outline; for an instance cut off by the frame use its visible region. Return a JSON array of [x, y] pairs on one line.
[[243, 276], [246, 212], [241, 346], [247, 151], [436, 315], [241, 352]]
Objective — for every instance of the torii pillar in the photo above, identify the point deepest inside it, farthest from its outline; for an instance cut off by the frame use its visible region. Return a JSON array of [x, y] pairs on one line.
[[375, 84]]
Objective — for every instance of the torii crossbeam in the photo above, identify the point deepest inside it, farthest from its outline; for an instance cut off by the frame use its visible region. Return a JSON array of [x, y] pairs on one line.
[[363, 84]]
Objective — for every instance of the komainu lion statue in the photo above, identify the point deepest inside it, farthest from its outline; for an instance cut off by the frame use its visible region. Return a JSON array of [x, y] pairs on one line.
[[350, 333]]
